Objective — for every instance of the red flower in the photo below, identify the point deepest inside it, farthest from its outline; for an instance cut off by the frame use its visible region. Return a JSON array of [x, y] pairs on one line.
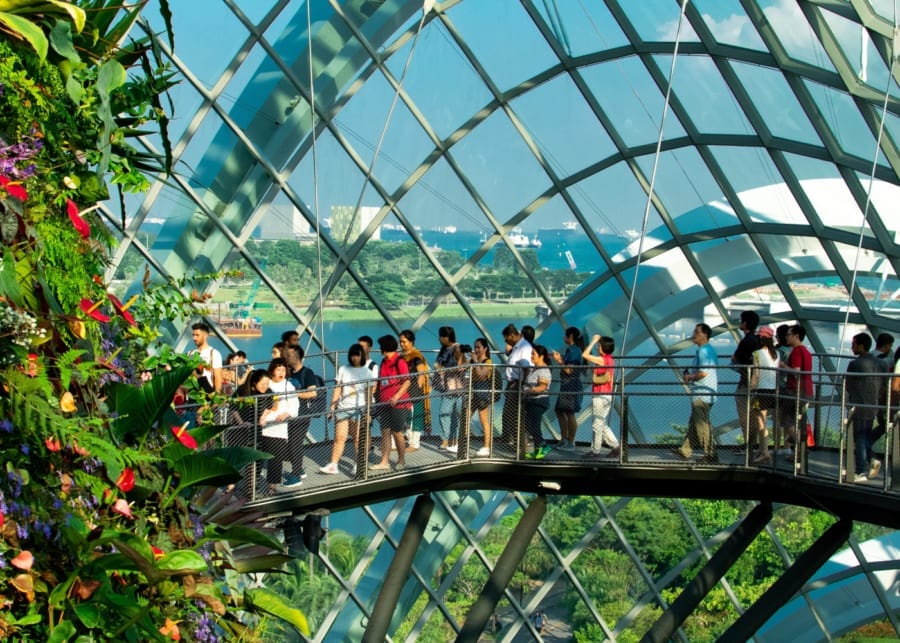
[[80, 224], [125, 481], [181, 434], [89, 308], [157, 552], [122, 309], [13, 189], [52, 444]]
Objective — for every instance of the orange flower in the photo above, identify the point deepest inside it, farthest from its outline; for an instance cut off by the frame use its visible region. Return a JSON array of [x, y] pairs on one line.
[[53, 444], [181, 434], [23, 561], [67, 403], [77, 328], [170, 630], [125, 481]]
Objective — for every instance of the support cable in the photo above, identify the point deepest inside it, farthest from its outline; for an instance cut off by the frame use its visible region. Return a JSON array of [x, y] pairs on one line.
[[650, 192]]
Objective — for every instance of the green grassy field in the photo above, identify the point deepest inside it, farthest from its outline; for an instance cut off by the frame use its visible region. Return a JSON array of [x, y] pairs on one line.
[[515, 309]]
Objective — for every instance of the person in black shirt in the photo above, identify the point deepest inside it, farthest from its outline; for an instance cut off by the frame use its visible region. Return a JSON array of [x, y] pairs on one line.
[[741, 361]]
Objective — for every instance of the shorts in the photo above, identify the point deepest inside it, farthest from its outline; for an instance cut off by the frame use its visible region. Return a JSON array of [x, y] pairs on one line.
[[764, 399], [346, 414], [394, 418]]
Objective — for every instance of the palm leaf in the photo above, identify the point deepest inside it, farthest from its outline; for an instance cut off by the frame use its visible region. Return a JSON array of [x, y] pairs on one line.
[[139, 408]]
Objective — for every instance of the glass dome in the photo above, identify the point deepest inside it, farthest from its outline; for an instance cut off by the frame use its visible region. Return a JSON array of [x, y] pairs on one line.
[[628, 168]]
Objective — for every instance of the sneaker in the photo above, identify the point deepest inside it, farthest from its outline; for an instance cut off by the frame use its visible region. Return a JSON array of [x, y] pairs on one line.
[[453, 448], [614, 453], [531, 455], [290, 479], [592, 455], [331, 468], [287, 487], [353, 470], [483, 452], [379, 467], [860, 477], [542, 452], [565, 445], [302, 473], [874, 468]]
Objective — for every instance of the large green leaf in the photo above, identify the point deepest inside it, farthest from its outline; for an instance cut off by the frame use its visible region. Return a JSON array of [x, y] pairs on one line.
[[62, 632], [9, 285], [238, 457], [183, 561], [138, 408], [271, 603], [61, 40], [241, 535], [199, 468], [27, 30]]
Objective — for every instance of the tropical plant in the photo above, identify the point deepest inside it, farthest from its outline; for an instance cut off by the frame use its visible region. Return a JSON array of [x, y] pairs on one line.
[[113, 521]]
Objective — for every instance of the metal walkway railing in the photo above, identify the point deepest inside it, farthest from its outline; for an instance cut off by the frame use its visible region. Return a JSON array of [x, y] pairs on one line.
[[649, 418]]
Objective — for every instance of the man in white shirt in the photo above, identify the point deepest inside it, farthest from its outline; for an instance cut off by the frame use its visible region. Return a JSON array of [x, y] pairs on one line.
[[209, 374], [518, 360]]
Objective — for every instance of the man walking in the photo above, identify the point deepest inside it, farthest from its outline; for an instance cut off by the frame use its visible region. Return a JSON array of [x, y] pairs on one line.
[[209, 373], [518, 359], [863, 388], [703, 382]]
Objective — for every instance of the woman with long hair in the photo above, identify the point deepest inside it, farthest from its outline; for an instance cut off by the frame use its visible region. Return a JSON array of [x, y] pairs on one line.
[[536, 400], [392, 398], [349, 401], [482, 399], [418, 389], [763, 387], [570, 387], [257, 411]]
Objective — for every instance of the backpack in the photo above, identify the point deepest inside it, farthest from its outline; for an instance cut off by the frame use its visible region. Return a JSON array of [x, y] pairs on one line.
[[306, 377], [496, 382]]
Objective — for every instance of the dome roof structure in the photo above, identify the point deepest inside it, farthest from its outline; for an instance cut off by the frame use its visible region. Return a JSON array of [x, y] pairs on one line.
[[627, 168]]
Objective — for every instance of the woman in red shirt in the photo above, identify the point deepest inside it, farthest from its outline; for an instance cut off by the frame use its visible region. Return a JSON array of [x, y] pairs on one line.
[[393, 401]]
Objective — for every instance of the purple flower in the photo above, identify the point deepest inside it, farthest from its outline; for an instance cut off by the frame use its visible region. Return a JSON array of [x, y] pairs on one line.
[[25, 449], [6, 426]]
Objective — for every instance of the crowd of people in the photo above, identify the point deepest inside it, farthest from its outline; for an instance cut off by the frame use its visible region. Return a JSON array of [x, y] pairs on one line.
[[464, 382]]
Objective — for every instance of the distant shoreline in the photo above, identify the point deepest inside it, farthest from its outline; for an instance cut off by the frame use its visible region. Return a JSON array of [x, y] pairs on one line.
[[514, 310]]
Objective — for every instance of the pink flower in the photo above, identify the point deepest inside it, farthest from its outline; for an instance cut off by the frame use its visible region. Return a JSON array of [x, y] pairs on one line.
[[121, 507], [23, 561], [80, 224]]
